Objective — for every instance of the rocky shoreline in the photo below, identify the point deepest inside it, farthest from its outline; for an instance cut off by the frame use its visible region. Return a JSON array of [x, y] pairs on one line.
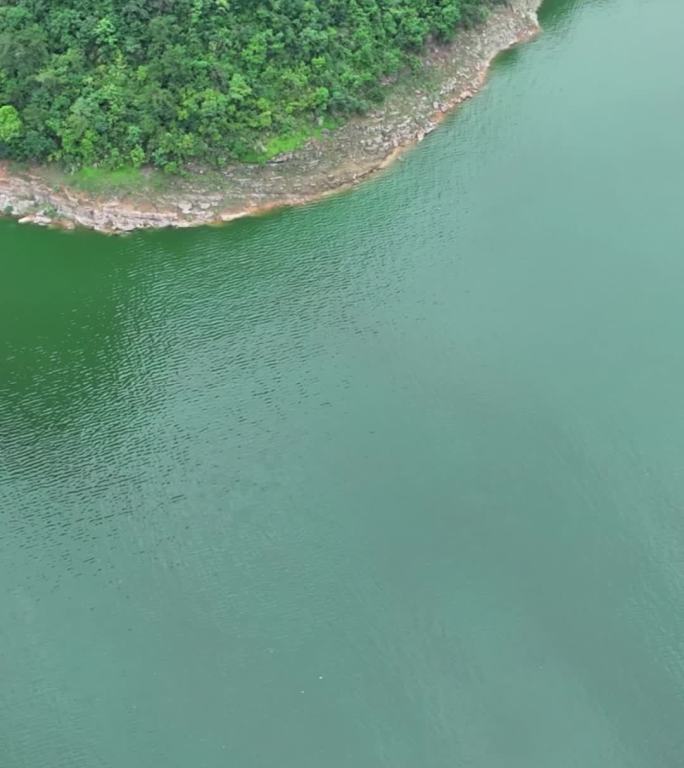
[[321, 167]]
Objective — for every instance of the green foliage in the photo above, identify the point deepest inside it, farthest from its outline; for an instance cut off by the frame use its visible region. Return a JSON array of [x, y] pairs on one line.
[[286, 142], [98, 180], [123, 83], [10, 124]]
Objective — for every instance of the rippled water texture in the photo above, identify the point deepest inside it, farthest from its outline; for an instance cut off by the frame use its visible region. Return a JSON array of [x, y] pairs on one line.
[[391, 481]]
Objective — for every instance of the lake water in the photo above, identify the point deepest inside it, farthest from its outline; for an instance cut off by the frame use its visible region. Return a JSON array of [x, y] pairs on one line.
[[392, 481]]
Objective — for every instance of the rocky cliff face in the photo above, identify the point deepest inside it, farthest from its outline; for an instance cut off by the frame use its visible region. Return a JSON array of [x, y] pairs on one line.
[[321, 167]]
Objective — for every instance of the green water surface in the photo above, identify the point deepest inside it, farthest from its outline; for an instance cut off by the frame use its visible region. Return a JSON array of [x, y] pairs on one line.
[[392, 481]]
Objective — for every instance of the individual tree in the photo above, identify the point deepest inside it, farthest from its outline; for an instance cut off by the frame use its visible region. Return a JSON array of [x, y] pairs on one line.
[[10, 124]]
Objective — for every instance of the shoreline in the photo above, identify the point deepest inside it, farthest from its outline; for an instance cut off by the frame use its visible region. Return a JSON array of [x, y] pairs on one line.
[[322, 167]]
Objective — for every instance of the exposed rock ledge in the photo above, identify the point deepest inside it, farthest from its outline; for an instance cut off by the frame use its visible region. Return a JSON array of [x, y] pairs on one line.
[[320, 168]]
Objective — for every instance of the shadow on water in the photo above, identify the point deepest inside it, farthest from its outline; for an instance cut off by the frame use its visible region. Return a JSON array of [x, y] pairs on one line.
[[92, 325], [103, 339], [63, 311], [555, 14]]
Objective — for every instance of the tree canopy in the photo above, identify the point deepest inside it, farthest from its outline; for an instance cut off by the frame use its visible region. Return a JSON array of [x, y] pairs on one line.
[[127, 82]]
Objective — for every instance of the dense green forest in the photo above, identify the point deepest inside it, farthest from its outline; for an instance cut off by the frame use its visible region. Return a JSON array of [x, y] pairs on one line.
[[126, 82]]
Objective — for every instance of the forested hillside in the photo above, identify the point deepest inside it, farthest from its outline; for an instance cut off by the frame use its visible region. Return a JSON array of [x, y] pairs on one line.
[[127, 82]]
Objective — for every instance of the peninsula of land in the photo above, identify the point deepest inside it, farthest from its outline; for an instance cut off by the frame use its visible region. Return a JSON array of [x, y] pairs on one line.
[[329, 163]]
